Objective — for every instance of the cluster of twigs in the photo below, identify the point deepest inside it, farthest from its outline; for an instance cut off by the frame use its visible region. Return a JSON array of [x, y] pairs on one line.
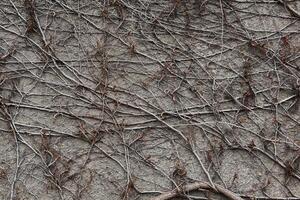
[[164, 99]]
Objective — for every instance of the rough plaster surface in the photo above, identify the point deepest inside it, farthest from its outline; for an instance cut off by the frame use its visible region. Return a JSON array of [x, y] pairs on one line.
[[118, 99]]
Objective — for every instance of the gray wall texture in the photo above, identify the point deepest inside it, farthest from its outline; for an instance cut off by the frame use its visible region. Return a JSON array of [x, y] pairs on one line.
[[141, 99]]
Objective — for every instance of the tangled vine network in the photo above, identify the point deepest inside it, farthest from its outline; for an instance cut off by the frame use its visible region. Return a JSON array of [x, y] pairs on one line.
[[149, 99]]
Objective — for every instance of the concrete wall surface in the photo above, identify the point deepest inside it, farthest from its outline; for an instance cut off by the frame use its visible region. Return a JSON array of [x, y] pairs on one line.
[[141, 99]]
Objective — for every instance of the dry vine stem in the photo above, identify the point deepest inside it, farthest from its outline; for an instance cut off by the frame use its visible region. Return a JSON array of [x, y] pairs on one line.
[[194, 187]]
